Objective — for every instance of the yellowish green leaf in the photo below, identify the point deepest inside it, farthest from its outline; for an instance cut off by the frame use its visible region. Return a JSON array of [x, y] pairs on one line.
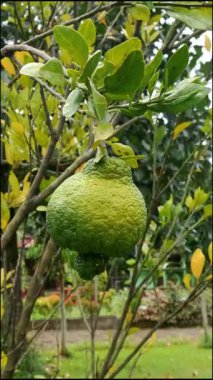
[[140, 12], [208, 210], [5, 213], [17, 127], [14, 183], [190, 203], [4, 359], [197, 263], [209, 277], [180, 128], [187, 280]]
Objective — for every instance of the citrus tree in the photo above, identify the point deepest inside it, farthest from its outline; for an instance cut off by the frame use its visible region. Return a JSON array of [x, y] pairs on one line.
[[116, 83]]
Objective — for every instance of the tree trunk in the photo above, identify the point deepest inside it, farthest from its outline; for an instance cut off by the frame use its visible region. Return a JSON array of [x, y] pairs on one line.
[[33, 292], [12, 298]]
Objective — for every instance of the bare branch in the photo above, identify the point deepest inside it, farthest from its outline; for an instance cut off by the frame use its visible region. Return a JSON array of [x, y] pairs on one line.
[[8, 49]]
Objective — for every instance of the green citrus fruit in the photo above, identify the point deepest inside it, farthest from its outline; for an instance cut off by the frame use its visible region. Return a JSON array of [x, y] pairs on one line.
[[98, 210]]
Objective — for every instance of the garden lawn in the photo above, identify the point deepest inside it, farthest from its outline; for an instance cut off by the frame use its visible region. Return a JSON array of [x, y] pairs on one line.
[[163, 360]]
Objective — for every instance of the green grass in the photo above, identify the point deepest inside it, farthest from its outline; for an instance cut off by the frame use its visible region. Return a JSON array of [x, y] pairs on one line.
[[163, 360]]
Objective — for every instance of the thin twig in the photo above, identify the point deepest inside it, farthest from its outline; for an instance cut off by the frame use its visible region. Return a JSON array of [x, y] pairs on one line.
[[91, 13], [49, 123]]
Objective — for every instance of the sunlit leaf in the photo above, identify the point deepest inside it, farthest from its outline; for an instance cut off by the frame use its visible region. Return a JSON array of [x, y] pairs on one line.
[[88, 31], [72, 41], [197, 263], [118, 53]]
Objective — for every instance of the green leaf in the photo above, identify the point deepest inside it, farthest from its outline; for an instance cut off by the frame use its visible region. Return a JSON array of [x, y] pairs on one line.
[[73, 102], [185, 96], [90, 66], [118, 53], [106, 68], [135, 110], [32, 69], [126, 80], [126, 152], [165, 211], [103, 131], [72, 41], [140, 12], [88, 31], [160, 133], [175, 66], [153, 82], [100, 103], [151, 68], [197, 18], [53, 72]]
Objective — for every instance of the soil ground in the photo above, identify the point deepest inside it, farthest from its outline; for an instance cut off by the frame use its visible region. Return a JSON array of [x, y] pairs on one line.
[[50, 337]]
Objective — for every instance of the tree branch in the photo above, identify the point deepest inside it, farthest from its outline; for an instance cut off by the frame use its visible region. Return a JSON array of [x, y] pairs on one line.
[[8, 49], [91, 13]]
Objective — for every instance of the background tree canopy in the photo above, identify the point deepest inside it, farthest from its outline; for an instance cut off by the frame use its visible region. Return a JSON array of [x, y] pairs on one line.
[[81, 78]]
